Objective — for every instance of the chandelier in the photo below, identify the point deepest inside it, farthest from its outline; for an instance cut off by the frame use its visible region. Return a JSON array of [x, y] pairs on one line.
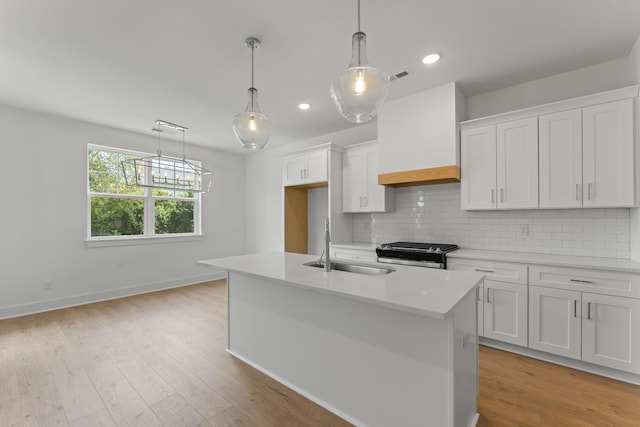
[[167, 173]]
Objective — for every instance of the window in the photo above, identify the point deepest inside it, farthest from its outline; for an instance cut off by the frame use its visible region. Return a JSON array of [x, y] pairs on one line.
[[119, 211]]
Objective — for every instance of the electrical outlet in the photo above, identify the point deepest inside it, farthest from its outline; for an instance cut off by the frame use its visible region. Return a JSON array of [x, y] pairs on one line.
[[523, 230], [48, 285]]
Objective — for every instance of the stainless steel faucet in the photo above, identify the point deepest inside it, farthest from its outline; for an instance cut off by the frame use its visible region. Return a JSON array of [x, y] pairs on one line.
[[327, 239]]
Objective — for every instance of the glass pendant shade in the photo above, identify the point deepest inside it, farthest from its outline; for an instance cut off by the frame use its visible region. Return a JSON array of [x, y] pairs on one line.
[[359, 91], [252, 128]]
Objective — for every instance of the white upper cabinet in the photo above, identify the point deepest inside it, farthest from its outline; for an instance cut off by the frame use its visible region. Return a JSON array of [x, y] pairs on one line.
[[570, 154], [587, 157], [517, 168], [478, 177], [361, 192], [561, 159], [608, 154], [307, 168], [500, 166]]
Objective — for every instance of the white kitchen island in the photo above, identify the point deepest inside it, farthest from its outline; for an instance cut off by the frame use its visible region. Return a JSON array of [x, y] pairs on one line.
[[392, 350]]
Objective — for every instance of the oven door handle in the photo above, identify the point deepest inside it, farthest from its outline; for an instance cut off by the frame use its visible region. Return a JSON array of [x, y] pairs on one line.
[[411, 262]]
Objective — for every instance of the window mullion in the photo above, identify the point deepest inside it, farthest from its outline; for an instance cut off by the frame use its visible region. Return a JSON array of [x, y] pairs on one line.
[[150, 214]]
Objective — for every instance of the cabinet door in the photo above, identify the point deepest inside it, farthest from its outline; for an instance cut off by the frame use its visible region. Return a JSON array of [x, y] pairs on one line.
[[517, 164], [478, 170], [317, 167], [374, 194], [560, 145], [480, 303], [611, 331], [555, 317], [608, 154], [352, 181], [293, 170], [505, 312]]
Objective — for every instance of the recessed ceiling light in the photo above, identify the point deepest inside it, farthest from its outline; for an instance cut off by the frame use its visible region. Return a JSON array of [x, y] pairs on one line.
[[432, 58], [304, 106]]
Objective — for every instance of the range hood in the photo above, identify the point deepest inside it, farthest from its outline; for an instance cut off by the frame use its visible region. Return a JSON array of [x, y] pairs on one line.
[[419, 139]]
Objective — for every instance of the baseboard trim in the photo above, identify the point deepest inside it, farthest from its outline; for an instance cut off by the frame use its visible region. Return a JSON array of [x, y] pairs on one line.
[[71, 301], [615, 374]]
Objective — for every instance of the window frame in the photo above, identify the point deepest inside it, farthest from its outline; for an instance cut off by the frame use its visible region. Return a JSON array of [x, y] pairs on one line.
[[149, 235]]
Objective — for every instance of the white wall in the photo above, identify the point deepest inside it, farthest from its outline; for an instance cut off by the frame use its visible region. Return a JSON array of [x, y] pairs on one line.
[[264, 197], [43, 215], [584, 81]]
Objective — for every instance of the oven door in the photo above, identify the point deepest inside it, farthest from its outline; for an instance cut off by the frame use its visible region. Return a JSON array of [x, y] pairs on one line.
[[428, 264]]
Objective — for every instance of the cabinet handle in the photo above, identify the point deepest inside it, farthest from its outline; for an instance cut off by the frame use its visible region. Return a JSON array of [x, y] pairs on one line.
[[488, 295], [493, 195], [502, 195], [483, 270], [366, 202], [306, 173], [589, 310], [589, 282], [589, 191], [478, 294], [360, 198], [301, 173], [575, 308], [577, 191]]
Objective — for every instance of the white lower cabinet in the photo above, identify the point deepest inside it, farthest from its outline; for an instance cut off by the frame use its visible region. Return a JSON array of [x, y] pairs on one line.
[[611, 331], [555, 317], [584, 314], [592, 327], [504, 319], [480, 304], [505, 312]]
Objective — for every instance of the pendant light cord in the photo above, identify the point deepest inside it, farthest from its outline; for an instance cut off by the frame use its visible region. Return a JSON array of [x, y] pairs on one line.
[[159, 151], [184, 156], [358, 15], [253, 46]]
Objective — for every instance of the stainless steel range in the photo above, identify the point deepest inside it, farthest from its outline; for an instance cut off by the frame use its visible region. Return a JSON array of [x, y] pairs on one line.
[[432, 255]]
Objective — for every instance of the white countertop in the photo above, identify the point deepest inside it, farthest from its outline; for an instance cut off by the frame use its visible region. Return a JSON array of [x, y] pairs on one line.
[[614, 264], [424, 291]]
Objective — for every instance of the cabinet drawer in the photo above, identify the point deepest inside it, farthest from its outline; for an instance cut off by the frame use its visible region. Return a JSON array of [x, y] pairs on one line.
[[586, 280], [493, 270]]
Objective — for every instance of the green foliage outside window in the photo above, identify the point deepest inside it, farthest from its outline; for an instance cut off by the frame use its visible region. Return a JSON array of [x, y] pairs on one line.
[[116, 217], [174, 216]]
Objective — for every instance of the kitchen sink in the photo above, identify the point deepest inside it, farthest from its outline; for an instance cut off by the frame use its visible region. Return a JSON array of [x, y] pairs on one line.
[[353, 268]]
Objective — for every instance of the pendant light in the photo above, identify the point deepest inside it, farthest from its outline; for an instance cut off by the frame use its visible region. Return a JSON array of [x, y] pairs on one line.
[[359, 90], [252, 128]]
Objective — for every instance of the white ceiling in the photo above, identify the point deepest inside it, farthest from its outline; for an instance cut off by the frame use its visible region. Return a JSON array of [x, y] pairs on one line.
[[125, 63]]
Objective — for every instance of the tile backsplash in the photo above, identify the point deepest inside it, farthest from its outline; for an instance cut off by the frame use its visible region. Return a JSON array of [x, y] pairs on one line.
[[432, 214]]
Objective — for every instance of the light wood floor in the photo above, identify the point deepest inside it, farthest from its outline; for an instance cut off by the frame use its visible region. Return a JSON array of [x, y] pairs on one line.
[[159, 359]]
